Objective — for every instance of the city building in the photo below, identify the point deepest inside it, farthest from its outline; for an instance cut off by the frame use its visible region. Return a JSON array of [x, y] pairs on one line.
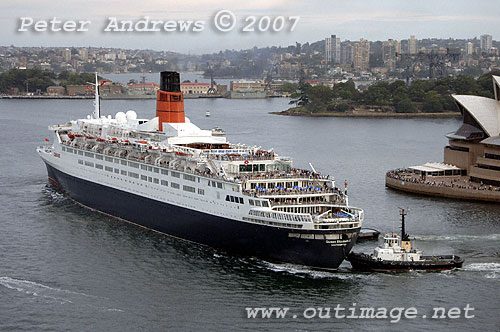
[[346, 54], [389, 49], [469, 48], [486, 43], [332, 50], [56, 90], [195, 88], [84, 54], [67, 55], [244, 85], [77, 90], [361, 55], [142, 88], [412, 45]]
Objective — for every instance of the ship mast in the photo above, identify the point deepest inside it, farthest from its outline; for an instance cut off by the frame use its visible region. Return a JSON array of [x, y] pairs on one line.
[[96, 114], [404, 236]]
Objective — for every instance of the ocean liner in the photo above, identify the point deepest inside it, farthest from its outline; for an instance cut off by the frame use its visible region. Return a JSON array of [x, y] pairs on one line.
[[168, 175]]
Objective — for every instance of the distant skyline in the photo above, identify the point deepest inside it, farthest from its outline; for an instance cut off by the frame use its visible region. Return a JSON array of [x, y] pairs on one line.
[[353, 19]]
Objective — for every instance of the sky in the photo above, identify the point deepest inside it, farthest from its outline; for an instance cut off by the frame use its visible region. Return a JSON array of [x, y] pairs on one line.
[[348, 19]]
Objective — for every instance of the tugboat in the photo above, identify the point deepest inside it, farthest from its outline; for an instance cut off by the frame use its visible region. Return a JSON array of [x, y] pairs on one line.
[[398, 254]]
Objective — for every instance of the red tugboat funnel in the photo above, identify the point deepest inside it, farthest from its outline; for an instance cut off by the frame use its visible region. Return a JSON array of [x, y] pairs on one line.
[[169, 100]]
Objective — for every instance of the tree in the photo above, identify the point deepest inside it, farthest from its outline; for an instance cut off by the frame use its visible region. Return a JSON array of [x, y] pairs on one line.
[[318, 97], [432, 102], [300, 97], [405, 106], [377, 94]]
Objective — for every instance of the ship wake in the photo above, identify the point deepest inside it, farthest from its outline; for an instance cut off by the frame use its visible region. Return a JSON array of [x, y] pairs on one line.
[[53, 294]]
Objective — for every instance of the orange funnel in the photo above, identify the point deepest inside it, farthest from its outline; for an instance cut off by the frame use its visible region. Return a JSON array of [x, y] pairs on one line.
[[169, 100]]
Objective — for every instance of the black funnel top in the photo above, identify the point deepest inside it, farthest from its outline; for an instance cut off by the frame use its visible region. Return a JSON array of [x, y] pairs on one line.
[[170, 81]]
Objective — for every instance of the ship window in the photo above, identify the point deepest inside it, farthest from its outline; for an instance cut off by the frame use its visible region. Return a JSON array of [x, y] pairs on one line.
[[123, 172], [144, 167], [108, 169], [133, 175], [150, 169], [189, 177], [175, 185], [231, 198], [241, 200], [117, 171], [189, 188], [98, 166], [251, 202], [257, 203], [255, 167], [124, 162], [89, 154], [156, 170], [98, 156], [155, 180], [227, 198], [108, 159], [144, 177], [117, 161], [80, 161], [134, 165], [164, 183], [201, 192], [219, 185], [64, 149], [176, 174], [88, 163], [164, 172], [80, 153], [150, 179]]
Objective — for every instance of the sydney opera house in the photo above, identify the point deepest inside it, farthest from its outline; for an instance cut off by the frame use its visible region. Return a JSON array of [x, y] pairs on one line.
[[475, 146], [471, 167]]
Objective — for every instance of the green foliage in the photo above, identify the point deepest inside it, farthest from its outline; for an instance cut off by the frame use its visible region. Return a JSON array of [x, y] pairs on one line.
[[35, 79], [432, 102], [341, 107], [289, 87], [405, 106], [79, 79], [429, 95], [377, 94]]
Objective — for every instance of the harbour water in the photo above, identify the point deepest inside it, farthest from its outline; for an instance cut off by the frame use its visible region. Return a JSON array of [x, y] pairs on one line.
[[63, 267]]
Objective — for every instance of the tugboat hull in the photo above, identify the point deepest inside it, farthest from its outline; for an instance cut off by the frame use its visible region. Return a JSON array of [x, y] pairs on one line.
[[364, 262]]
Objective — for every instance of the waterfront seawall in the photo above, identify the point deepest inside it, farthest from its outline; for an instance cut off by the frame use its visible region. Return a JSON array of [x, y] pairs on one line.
[[442, 191]]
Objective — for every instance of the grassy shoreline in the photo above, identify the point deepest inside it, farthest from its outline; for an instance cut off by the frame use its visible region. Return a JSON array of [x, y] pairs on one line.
[[371, 114]]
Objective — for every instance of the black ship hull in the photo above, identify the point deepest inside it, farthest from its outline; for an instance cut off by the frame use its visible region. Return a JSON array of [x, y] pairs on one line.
[[365, 262], [235, 237]]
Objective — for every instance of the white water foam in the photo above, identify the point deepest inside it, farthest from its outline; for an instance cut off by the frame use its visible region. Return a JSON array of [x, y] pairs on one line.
[[458, 237], [302, 271], [55, 195], [63, 296], [483, 267]]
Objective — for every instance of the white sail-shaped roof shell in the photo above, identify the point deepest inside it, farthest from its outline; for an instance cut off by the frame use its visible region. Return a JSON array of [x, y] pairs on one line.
[[485, 111]]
